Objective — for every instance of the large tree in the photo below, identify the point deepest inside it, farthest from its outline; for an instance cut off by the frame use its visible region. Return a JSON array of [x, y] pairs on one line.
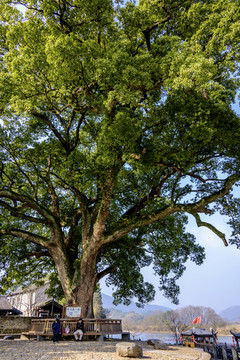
[[116, 124]]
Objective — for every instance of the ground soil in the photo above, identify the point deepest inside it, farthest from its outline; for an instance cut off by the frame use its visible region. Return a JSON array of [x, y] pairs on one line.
[[86, 350]]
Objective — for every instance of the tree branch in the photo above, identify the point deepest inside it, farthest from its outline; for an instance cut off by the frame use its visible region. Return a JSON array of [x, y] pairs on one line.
[[105, 272], [43, 117], [72, 229], [134, 222], [200, 206], [211, 227], [36, 239], [15, 212], [29, 202], [155, 191], [138, 222], [37, 254], [77, 131], [55, 202], [103, 205]]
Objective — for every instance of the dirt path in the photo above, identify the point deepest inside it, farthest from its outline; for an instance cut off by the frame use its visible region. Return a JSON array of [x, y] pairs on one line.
[[89, 350]]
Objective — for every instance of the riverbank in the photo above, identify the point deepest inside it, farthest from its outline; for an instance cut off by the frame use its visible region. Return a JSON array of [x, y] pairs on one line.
[[169, 338], [88, 350]]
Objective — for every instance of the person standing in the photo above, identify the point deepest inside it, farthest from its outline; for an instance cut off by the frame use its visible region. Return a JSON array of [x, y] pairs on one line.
[[79, 330], [56, 331]]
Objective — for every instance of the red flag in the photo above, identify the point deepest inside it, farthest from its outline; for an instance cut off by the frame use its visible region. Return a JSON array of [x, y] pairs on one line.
[[197, 320]]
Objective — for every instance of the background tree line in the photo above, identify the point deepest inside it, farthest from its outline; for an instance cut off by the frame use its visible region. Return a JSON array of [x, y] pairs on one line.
[[181, 319]]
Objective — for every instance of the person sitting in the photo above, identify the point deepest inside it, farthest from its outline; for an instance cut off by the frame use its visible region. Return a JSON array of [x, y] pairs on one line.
[[79, 330]]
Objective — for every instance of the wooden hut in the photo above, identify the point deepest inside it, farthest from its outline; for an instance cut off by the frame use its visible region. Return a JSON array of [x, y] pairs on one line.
[[198, 338], [49, 308]]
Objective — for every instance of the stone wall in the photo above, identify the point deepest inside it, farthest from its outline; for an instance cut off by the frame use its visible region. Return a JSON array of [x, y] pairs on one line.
[[14, 324]]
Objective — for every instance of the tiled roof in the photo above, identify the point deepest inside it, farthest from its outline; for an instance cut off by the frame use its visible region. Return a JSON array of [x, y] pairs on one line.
[[4, 303], [39, 290], [6, 306], [49, 302]]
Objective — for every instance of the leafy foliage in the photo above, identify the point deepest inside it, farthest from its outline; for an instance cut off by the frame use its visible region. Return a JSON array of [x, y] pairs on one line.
[[22, 264], [116, 121]]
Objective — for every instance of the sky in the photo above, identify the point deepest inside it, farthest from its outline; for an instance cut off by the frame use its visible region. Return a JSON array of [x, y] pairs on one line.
[[213, 284]]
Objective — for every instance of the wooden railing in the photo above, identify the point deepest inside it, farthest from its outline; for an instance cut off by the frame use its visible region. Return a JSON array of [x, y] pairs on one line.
[[91, 326]]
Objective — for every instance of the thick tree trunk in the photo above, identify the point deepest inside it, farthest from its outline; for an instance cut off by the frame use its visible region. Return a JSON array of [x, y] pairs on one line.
[[87, 282], [63, 268], [85, 296], [78, 289], [78, 283]]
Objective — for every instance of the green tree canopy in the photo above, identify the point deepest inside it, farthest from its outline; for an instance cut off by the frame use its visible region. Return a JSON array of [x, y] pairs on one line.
[[116, 123]]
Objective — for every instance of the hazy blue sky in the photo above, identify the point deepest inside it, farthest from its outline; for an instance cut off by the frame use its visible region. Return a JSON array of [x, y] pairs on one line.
[[215, 283]]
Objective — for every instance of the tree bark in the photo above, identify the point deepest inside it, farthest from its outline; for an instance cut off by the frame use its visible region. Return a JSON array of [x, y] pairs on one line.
[[64, 271], [87, 281], [78, 287]]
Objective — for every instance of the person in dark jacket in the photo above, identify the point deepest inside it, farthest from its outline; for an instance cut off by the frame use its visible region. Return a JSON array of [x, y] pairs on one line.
[[56, 331], [79, 330]]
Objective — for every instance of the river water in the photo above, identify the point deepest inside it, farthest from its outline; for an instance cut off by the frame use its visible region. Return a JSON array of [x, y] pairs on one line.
[[169, 338]]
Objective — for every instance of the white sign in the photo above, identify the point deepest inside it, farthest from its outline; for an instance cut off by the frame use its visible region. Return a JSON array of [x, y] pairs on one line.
[[73, 311]]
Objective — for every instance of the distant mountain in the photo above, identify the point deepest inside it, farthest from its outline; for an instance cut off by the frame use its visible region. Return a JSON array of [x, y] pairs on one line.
[[146, 310], [231, 314]]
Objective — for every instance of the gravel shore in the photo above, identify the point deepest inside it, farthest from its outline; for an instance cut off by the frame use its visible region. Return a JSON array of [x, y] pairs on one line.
[[89, 350]]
